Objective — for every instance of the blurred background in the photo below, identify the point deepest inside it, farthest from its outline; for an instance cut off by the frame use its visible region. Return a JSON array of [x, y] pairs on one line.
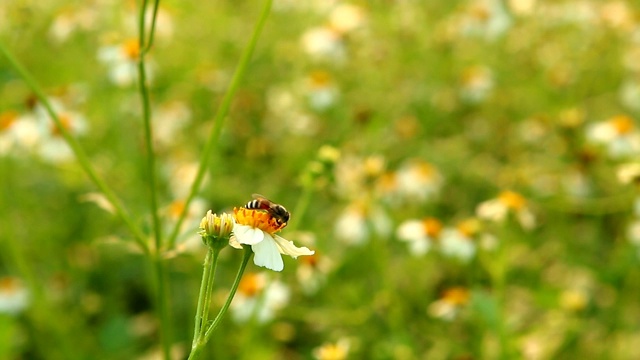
[[465, 170]]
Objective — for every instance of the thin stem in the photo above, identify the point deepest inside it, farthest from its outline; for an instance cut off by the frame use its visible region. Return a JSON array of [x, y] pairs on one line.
[[219, 118], [204, 298], [81, 156], [162, 304], [152, 31], [302, 205], [206, 330], [245, 260]]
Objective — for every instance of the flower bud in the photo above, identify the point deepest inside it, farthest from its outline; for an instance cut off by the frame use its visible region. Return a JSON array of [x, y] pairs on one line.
[[216, 229]]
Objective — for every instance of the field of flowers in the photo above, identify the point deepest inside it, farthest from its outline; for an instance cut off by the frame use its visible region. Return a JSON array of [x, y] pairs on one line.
[[462, 178]]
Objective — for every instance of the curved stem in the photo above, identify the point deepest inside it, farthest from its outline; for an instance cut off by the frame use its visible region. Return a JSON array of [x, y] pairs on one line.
[[79, 153], [219, 118], [245, 260]]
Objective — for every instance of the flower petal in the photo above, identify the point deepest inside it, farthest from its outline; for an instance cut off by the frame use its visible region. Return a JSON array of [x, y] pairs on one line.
[[286, 247], [248, 235], [267, 254], [233, 241]]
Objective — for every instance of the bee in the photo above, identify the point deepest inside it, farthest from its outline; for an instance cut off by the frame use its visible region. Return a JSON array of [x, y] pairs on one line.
[[276, 211]]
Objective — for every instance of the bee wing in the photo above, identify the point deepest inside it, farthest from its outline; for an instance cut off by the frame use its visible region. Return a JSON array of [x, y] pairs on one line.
[[260, 197]]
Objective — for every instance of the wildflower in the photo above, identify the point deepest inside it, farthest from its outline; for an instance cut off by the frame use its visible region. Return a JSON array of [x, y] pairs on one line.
[[122, 60], [484, 19], [618, 134], [458, 242], [418, 181], [476, 84], [345, 18], [312, 272], [14, 297], [321, 91], [629, 173], [355, 223], [323, 42], [450, 303], [419, 234], [258, 297], [332, 351], [574, 299], [257, 228], [498, 208], [216, 229]]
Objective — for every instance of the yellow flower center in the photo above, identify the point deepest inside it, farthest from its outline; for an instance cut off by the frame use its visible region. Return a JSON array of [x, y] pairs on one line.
[[259, 219], [622, 123], [512, 200], [9, 285], [432, 227], [7, 118], [456, 296], [131, 49], [250, 285]]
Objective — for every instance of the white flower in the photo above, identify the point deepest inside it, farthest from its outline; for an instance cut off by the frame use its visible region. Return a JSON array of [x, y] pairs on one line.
[[259, 297], [418, 181], [498, 208], [618, 134], [14, 297], [324, 43], [419, 234], [257, 228]]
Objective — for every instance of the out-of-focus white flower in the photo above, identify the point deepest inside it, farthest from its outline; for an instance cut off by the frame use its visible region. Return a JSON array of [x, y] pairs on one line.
[[633, 232], [321, 91], [312, 272], [476, 84], [186, 241], [14, 296], [345, 18], [522, 7], [459, 242], [498, 208], [69, 21], [333, 351], [357, 222], [448, 306], [485, 19], [418, 181], [419, 234], [628, 173], [617, 15], [618, 134], [122, 62], [258, 297], [257, 228], [324, 43]]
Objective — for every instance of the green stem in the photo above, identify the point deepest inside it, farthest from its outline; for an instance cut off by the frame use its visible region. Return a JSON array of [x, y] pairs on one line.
[[152, 31], [204, 298], [219, 118], [81, 156], [148, 136], [204, 336], [162, 305]]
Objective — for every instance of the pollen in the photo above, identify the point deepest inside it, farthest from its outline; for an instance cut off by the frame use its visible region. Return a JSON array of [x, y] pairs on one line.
[[259, 219]]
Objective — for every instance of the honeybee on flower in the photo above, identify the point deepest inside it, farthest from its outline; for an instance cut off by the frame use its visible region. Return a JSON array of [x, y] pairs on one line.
[[257, 224]]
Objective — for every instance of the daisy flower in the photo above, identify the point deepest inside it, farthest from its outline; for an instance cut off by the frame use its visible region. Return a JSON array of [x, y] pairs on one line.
[[259, 297], [258, 229], [498, 208], [450, 303], [14, 296], [419, 234]]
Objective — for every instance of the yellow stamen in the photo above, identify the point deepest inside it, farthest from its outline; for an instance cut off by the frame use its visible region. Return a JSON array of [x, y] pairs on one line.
[[131, 49], [432, 227], [512, 200], [7, 118], [257, 219], [622, 123], [456, 296], [250, 285]]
